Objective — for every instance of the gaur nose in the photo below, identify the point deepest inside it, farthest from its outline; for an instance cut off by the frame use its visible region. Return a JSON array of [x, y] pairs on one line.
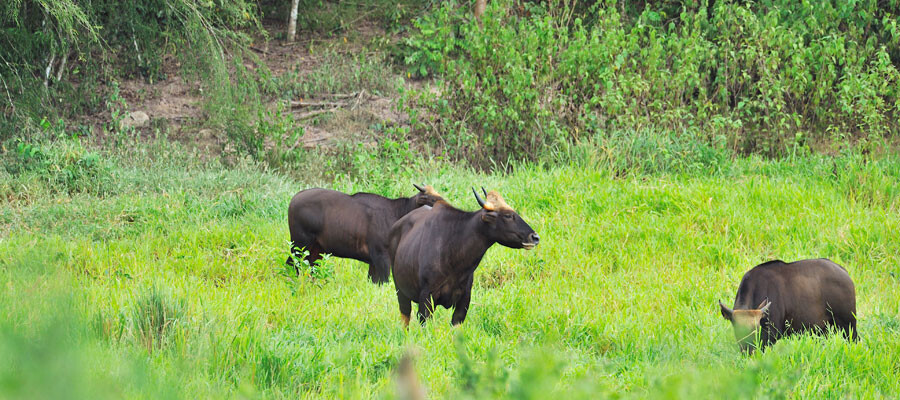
[[535, 238]]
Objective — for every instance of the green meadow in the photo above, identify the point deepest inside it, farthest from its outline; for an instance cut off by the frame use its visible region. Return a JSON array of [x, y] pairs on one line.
[[163, 276]]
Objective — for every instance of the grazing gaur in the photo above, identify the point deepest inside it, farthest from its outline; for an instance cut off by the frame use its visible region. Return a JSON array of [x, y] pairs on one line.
[[434, 252], [777, 299], [357, 226]]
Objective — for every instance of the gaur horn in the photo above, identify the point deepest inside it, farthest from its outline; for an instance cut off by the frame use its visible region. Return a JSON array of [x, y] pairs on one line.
[[477, 197], [764, 306], [484, 191], [421, 188]]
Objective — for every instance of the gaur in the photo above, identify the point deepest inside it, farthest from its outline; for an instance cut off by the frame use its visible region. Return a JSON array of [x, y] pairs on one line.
[[434, 252], [777, 299], [350, 226]]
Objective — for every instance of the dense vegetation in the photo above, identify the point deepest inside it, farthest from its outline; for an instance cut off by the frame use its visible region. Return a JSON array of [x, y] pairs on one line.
[[759, 77], [660, 149], [762, 77]]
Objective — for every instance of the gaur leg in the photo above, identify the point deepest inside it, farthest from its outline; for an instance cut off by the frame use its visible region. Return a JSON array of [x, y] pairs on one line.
[[843, 320], [380, 266], [462, 305], [847, 327], [426, 305], [460, 309], [405, 308], [315, 253]]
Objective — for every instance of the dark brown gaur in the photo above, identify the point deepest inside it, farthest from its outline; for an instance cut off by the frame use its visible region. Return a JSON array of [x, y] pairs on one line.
[[777, 299], [434, 252], [350, 226]]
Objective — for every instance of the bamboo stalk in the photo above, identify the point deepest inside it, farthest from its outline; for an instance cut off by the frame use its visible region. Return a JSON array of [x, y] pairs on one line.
[[62, 66]]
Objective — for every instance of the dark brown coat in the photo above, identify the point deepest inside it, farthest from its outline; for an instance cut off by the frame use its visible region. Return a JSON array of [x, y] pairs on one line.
[[350, 226], [777, 299], [434, 252]]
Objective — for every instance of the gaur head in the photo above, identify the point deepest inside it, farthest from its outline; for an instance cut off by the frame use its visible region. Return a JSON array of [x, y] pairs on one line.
[[427, 196], [505, 226], [747, 324]]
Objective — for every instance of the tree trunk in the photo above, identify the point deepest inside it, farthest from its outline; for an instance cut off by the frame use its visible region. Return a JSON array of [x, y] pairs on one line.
[[292, 22], [480, 5]]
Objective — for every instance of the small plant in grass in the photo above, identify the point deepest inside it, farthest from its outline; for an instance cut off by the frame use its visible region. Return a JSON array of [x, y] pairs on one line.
[[318, 272], [58, 160], [279, 127], [118, 111]]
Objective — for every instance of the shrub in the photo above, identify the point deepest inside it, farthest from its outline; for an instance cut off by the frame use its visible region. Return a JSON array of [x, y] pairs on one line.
[[767, 76], [57, 160], [318, 272]]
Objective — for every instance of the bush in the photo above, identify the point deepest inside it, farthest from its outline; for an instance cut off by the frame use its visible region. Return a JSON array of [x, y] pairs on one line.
[[766, 76], [318, 272], [56, 160]]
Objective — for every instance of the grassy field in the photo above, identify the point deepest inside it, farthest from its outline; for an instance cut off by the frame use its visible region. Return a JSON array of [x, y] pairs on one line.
[[169, 282]]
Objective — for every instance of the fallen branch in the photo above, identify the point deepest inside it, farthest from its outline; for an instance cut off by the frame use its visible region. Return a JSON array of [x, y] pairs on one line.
[[339, 95], [335, 105], [306, 142], [301, 103], [311, 114]]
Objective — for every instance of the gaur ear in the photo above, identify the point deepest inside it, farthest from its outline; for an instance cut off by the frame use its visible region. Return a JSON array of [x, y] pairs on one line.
[[764, 306], [726, 312], [489, 217]]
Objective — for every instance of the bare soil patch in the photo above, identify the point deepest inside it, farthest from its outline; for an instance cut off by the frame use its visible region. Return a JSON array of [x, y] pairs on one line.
[[175, 105]]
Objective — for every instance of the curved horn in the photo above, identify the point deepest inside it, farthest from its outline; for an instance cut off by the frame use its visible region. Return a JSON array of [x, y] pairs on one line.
[[764, 306], [477, 197], [484, 191], [421, 188]]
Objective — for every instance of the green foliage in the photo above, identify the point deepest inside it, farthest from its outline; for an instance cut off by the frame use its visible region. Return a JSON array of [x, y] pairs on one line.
[[279, 127], [118, 112], [336, 74], [52, 56], [319, 272], [766, 76], [56, 158], [378, 163]]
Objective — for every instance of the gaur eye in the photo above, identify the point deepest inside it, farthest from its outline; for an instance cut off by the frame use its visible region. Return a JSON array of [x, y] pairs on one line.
[[507, 216]]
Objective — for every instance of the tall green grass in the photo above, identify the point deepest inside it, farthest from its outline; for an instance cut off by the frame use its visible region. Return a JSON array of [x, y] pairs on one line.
[[619, 300]]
